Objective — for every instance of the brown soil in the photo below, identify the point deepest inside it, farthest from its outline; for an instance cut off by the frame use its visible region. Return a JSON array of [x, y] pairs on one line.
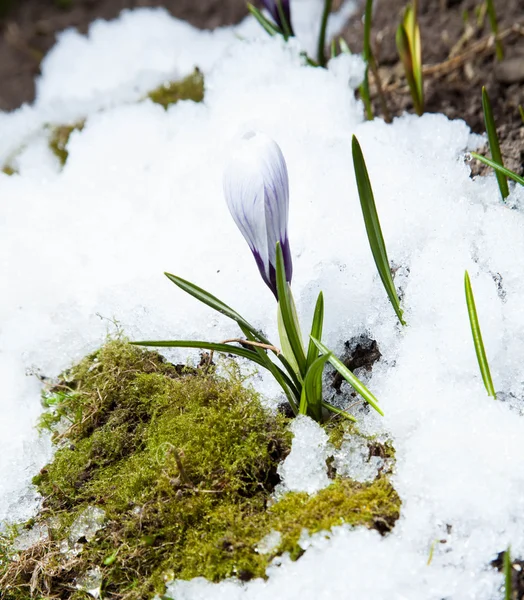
[[28, 28], [458, 53]]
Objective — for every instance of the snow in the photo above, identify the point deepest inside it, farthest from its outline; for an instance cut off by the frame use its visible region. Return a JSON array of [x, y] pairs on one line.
[[85, 247]]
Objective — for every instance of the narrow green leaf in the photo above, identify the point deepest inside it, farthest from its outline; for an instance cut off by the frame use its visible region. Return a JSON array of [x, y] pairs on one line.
[[226, 348], [367, 30], [322, 34], [355, 383], [216, 304], [287, 381], [286, 27], [508, 583], [366, 96], [270, 27], [316, 330], [373, 229], [311, 398], [499, 168], [521, 111], [339, 411], [409, 49], [366, 55], [333, 49], [285, 344], [499, 50], [289, 319], [477, 338], [494, 143], [344, 48]]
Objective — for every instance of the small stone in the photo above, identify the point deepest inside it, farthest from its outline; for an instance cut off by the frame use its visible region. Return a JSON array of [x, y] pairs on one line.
[[510, 70]]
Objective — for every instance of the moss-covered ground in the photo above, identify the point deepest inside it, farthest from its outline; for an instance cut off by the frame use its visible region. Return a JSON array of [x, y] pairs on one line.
[[183, 463]]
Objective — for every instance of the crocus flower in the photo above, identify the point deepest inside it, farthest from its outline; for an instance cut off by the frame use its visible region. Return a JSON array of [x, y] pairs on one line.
[[272, 7], [257, 193]]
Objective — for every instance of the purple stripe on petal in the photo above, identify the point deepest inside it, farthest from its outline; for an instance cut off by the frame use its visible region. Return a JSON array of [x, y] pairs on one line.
[[288, 263], [271, 6], [269, 278]]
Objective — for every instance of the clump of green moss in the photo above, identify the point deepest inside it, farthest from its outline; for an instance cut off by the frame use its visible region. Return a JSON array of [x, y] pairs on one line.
[[60, 136], [182, 462], [190, 88], [8, 170]]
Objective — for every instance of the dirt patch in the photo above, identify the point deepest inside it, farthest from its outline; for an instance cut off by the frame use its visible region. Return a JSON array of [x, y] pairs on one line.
[[28, 29], [459, 55]]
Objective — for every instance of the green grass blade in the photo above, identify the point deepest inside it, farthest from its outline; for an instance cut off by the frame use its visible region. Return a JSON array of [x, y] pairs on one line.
[[366, 96], [270, 27], [508, 583], [321, 55], [339, 411], [494, 143], [355, 383], [286, 27], [499, 168], [499, 50], [373, 229], [311, 398], [366, 55], [368, 12], [226, 348], [316, 330], [286, 305], [521, 111], [333, 49], [477, 338], [216, 304], [343, 46]]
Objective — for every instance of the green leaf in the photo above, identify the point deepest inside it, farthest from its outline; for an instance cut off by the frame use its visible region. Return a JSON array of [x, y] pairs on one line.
[[289, 318], [410, 52], [521, 111], [494, 143], [287, 381], [355, 383], [216, 304], [373, 230], [270, 27], [344, 48], [366, 55], [321, 57], [499, 168], [339, 411], [226, 348], [316, 330], [495, 29], [508, 583], [367, 30], [311, 398], [477, 338], [286, 27]]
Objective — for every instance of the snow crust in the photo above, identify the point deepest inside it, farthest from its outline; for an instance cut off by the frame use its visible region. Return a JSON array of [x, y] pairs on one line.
[[141, 193]]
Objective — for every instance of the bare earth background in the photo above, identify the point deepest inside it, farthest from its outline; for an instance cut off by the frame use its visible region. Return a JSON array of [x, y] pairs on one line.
[[457, 49]]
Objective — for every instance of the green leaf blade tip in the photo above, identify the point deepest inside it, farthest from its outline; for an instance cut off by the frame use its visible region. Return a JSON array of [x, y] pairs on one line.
[[477, 338], [373, 229], [494, 145]]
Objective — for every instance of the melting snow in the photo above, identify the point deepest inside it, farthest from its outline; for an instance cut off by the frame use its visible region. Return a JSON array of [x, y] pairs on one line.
[[141, 193]]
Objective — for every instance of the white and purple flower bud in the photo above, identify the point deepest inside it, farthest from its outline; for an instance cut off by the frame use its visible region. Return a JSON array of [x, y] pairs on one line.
[[272, 7], [256, 188]]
